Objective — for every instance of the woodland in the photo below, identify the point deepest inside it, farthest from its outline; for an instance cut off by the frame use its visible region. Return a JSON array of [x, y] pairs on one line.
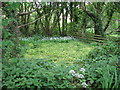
[[60, 45]]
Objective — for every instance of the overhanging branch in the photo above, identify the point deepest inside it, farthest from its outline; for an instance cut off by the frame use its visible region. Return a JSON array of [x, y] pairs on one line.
[[88, 13], [31, 22], [27, 13]]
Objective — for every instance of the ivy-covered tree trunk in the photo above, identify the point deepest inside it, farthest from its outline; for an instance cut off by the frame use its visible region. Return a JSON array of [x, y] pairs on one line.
[[11, 49], [98, 27]]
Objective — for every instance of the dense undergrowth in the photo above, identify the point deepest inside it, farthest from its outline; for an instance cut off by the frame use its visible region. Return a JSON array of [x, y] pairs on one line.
[[103, 65], [46, 63]]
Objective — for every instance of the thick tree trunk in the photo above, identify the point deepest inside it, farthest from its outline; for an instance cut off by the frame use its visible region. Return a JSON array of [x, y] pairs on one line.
[[98, 28]]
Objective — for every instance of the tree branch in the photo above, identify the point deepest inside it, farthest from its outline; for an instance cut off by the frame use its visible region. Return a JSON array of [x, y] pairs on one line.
[[31, 22], [27, 13], [88, 13], [109, 19], [34, 20]]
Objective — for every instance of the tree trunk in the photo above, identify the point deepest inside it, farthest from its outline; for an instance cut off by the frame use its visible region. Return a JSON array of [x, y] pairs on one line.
[[98, 28], [63, 26], [58, 23], [71, 17], [66, 17]]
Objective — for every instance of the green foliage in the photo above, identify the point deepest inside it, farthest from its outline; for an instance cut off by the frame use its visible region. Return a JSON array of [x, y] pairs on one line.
[[90, 30], [11, 6], [38, 73], [8, 38], [103, 50], [103, 74], [47, 68], [102, 66], [44, 69], [46, 63], [59, 41]]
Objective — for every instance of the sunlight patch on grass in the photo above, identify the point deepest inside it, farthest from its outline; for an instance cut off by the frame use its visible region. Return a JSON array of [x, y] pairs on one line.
[[58, 52]]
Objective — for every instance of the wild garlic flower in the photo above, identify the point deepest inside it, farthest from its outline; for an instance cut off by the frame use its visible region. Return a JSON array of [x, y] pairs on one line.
[[79, 75], [72, 72], [82, 70], [84, 84]]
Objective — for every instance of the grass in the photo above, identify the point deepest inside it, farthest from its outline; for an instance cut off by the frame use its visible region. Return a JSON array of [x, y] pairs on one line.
[[115, 35], [58, 51]]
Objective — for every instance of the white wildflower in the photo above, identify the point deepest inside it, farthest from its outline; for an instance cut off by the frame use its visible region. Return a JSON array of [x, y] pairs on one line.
[[79, 75], [84, 84], [72, 72], [50, 38], [82, 70], [58, 38]]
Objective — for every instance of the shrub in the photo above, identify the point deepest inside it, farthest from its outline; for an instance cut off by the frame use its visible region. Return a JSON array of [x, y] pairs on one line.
[[100, 50], [101, 66]]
